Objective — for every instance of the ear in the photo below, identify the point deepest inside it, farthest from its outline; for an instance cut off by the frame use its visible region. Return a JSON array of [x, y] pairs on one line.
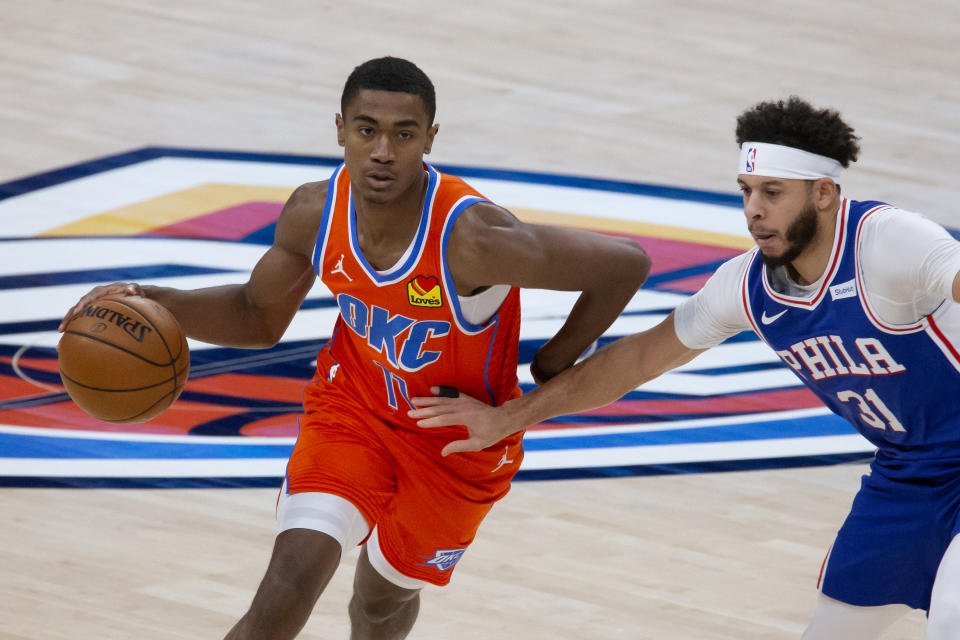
[[431, 134], [341, 134], [825, 192]]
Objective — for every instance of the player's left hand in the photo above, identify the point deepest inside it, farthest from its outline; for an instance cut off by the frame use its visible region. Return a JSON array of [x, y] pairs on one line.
[[485, 424]]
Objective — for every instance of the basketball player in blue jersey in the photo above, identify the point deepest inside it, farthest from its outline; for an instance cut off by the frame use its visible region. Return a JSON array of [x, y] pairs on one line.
[[860, 300]]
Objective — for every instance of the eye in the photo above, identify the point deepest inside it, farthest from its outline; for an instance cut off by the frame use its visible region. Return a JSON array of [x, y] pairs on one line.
[[404, 135], [365, 131], [771, 193]]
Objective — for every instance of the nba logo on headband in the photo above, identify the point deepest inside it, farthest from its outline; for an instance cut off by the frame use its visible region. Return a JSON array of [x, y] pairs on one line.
[[781, 161]]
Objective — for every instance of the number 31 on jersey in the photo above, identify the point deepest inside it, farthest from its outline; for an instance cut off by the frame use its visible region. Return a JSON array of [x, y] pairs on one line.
[[870, 406]]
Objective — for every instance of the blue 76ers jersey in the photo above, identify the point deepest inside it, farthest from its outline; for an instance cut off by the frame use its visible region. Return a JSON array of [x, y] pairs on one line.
[[899, 385]]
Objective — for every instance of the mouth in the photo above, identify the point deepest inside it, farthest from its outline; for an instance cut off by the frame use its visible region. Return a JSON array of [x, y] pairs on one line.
[[379, 179], [763, 238]]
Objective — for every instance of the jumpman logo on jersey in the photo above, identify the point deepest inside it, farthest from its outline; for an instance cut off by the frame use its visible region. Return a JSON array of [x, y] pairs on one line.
[[503, 461], [339, 269]]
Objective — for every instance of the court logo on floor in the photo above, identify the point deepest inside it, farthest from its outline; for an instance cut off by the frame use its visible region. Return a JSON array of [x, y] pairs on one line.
[[191, 219]]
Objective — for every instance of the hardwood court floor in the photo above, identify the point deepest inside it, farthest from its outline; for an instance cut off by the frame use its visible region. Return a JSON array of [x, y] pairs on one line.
[[638, 91], [635, 90], [731, 556]]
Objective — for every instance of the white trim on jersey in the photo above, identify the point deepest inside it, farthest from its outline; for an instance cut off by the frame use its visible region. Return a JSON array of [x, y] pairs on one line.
[[446, 278], [320, 248], [745, 295], [403, 267], [943, 328], [839, 244]]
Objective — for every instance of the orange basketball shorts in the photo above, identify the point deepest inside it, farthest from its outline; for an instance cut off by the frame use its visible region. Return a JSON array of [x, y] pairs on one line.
[[426, 508]]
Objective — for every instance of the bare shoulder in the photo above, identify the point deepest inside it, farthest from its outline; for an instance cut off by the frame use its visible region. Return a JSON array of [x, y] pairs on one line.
[[306, 201], [482, 225], [299, 221], [484, 216], [476, 243]]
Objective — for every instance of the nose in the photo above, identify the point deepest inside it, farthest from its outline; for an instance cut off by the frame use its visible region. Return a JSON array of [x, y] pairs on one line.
[[382, 149], [752, 207]]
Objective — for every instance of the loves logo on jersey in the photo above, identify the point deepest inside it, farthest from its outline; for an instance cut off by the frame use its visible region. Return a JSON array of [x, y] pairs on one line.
[[424, 291]]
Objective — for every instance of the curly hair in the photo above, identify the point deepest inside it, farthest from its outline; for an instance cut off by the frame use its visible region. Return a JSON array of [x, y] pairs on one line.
[[796, 123], [390, 74]]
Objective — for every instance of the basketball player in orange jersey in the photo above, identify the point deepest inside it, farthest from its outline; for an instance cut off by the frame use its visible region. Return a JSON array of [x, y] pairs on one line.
[[425, 272]]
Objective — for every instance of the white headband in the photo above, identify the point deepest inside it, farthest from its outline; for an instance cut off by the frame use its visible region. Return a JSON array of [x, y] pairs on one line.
[[778, 161]]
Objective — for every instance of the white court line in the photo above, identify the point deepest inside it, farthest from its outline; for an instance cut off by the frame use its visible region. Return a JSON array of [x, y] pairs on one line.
[[535, 460], [530, 435]]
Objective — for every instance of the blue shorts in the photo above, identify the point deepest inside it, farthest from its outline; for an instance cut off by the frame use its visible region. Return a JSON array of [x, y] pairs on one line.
[[901, 522]]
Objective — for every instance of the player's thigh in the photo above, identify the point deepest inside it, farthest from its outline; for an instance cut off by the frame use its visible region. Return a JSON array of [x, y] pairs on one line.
[[324, 512], [889, 546], [337, 454], [439, 506]]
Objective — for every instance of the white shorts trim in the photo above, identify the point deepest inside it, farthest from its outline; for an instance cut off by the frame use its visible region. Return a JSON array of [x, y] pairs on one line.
[[323, 512], [387, 570]]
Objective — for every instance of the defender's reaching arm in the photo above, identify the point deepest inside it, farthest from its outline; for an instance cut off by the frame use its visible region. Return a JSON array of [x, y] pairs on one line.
[[599, 380]]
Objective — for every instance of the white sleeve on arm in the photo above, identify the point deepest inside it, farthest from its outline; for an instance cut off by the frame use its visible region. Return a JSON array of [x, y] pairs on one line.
[[714, 313], [940, 269], [909, 264]]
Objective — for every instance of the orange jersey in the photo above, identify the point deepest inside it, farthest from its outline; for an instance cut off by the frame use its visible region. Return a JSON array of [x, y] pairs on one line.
[[402, 330]]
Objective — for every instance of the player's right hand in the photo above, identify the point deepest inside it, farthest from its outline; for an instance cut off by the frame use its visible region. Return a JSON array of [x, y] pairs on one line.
[[115, 289]]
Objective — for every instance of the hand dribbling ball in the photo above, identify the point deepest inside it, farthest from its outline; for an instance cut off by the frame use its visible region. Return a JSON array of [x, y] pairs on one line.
[[124, 359]]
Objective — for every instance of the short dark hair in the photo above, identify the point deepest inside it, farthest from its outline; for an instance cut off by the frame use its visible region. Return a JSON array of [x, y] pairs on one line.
[[796, 123], [390, 74]]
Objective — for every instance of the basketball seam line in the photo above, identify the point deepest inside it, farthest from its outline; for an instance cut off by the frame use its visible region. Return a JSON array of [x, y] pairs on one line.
[[116, 346], [182, 338], [86, 386], [167, 396]]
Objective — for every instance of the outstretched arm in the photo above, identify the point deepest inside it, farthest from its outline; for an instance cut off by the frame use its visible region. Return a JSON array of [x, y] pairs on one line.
[[599, 380], [490, 246], [253, 314]]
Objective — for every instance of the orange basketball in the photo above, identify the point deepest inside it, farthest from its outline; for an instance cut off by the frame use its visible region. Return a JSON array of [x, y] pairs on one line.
[[124, 359]]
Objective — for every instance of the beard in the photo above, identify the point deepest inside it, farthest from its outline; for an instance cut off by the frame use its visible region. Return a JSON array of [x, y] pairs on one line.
[[799, 235]]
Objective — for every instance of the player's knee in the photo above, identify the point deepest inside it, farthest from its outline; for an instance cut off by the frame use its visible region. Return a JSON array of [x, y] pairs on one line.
[[377, 607], [282, 598], [302, 563]]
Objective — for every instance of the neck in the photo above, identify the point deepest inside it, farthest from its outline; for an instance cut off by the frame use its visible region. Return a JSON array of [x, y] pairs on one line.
[[812, 262], [378, 221]]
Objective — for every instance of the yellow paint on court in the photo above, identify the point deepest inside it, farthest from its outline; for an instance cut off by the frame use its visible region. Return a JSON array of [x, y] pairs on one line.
[[169, 209], [648, 229], [206, 198]]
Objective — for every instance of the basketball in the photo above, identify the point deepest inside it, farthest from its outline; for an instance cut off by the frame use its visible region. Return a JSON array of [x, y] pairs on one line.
[[124, 359]]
